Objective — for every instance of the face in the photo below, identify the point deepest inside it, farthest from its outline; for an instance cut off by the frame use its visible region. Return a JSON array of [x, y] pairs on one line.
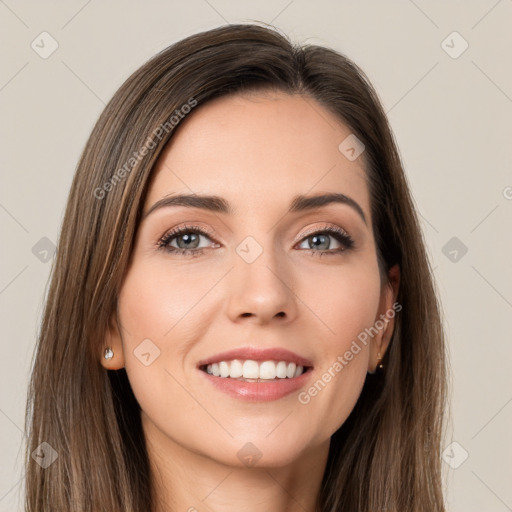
[[257, 275]]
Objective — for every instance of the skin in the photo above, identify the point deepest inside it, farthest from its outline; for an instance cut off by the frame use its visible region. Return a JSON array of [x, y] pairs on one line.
[[257, 151]]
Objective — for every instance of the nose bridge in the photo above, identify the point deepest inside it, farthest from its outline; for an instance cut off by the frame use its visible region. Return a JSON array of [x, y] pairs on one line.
[[260, 282]]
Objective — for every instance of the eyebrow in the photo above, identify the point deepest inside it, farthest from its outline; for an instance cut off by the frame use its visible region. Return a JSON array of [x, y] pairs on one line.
[[218, 204]]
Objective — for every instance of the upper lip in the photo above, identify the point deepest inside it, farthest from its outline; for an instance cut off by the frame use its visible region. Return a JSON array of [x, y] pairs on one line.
[[257, 354]]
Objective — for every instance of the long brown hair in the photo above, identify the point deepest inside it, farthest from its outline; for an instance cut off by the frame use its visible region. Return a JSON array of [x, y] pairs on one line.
[[386, 456]]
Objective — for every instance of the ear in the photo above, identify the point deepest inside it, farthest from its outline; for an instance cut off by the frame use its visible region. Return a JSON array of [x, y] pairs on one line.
[[385, 319], [113, 341]]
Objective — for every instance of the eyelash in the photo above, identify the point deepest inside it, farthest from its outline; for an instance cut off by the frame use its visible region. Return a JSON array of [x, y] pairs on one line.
[[339, 234]]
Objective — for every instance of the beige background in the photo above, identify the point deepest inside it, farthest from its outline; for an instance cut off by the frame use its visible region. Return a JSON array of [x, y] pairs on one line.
[[452, 118]]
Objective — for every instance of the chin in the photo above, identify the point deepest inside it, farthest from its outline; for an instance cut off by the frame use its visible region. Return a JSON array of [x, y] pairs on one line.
[[262, 451]]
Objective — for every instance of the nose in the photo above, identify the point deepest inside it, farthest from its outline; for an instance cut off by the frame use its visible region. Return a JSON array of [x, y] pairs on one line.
[[261, 289]]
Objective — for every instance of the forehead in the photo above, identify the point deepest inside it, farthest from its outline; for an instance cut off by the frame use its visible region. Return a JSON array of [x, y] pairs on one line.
[[258, 150]]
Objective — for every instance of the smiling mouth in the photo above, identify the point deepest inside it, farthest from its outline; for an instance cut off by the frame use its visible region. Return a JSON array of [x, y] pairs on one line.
[[255, 371]]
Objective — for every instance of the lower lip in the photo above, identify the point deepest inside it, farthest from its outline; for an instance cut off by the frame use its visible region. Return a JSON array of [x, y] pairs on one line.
[[258, 391]]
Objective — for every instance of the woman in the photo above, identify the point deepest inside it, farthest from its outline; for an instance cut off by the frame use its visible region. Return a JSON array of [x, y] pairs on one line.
[[241, 313]]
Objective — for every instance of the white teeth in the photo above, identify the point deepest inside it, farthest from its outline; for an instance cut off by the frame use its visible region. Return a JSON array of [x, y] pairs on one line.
[[251, 370], [265, 370], [281, 370], [236, 370], [224, 369]]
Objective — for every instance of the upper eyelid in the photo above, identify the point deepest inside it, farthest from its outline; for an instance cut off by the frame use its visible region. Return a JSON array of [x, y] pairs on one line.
[[326, 227]]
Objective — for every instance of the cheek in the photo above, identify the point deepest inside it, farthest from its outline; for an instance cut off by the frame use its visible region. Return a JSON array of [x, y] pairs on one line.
[[346, 306], [157, 303], [344, 302], [157, 317]]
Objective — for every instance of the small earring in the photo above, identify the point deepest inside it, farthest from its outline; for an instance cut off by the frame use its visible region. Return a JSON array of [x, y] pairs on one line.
[[380, 366], [109, 354]]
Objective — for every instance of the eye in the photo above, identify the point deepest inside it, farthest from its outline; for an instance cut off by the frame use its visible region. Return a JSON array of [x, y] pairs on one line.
[[320, 240], [187, 240]]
